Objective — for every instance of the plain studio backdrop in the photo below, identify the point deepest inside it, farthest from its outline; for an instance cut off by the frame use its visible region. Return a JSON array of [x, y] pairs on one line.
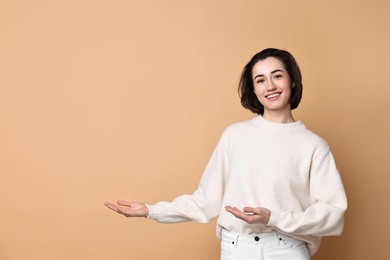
[[126, 99]]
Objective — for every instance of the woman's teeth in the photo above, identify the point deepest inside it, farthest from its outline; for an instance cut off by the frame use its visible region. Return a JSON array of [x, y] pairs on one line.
[[273, 95]]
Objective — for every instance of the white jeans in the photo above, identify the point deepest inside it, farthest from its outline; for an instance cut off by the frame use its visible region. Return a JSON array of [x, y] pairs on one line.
[[264, 246]]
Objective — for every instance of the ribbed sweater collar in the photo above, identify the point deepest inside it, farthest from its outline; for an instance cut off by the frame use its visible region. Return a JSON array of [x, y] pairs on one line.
[[260, 121]]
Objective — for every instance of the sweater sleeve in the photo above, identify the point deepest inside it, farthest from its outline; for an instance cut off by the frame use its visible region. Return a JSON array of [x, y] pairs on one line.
[[205, 203], [325, 215]]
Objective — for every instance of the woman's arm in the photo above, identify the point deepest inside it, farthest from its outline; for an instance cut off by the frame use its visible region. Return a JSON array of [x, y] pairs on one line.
[[201, 206], [324, 216]]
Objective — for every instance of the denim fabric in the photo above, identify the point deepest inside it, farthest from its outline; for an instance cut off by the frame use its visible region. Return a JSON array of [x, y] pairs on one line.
[[264, 246]]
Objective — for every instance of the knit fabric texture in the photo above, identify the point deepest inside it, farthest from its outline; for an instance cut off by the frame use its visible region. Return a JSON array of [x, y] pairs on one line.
[[283, 167]]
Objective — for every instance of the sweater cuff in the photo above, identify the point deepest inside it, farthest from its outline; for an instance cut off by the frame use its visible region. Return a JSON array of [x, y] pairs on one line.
[[150, 211], [155, 213], [274, 220]]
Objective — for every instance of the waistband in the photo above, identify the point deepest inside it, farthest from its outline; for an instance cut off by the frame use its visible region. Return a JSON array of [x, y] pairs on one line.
[[267, 237]]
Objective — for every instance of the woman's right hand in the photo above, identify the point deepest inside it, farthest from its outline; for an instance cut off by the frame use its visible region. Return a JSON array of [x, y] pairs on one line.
[[128, 208]]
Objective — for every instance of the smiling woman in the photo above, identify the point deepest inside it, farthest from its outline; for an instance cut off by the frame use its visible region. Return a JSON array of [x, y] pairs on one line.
[[272, 86], [285, 71], [272, 182]]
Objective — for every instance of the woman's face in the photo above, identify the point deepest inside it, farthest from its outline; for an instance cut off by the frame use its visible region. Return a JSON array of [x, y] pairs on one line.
[[272, 85]]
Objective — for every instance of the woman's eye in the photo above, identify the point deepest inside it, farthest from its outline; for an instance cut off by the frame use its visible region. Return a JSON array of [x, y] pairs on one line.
[[260, 81], [278, 76]]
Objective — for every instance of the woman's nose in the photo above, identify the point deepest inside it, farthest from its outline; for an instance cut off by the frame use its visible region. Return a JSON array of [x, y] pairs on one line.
[[271, 86]]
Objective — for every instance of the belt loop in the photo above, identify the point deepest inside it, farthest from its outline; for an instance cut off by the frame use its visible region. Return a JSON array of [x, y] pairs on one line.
[[278, 237], [236, 241]]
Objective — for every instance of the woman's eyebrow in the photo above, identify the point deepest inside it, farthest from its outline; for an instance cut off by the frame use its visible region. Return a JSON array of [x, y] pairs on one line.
[[272, 72]]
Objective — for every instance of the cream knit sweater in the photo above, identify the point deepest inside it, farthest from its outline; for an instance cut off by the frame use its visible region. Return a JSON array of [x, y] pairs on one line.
[[283, 167]]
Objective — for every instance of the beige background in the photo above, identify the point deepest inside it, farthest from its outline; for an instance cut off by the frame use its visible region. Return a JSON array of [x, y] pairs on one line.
[[106, 100]]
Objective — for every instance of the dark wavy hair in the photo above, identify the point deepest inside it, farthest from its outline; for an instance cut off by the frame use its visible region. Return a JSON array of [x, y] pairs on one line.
[[246, 88]]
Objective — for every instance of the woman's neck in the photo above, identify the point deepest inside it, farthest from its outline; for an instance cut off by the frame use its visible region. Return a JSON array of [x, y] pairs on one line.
[[278, 116]]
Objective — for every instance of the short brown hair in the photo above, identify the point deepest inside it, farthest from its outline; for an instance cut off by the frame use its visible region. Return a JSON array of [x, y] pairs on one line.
[[245, 88]]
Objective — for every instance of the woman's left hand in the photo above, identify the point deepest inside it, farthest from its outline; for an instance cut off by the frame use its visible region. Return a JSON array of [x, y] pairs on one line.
[[251, 215]]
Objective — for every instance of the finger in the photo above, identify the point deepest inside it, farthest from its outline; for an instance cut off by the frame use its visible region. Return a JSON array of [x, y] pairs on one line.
[[232, 209], [109, 205], [124, 203], [112, 207], [250, 210], [236, 212]]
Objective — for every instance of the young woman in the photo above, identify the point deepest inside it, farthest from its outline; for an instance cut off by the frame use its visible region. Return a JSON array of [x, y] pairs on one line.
[[272, 182]]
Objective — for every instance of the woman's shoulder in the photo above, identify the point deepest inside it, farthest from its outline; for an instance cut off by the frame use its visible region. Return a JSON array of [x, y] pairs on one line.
[[314, 138], [239, 126]]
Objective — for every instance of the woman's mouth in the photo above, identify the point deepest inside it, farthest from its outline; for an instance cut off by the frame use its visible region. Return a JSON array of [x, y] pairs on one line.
[[273, 96]]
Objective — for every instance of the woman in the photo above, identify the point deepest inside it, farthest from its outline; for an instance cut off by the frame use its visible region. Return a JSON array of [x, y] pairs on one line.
[[272, 182]]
